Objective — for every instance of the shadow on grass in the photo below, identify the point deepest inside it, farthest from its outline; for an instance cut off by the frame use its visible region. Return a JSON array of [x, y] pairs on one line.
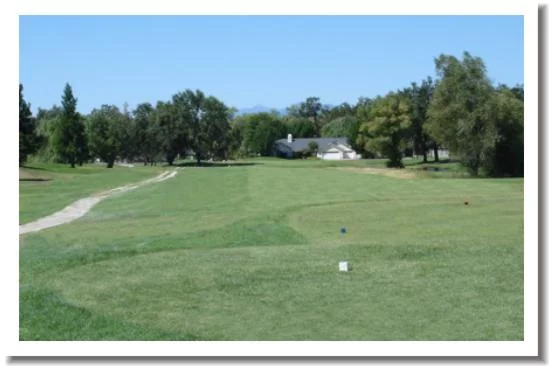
[[32, 167], [206, 164], [34, 179], [442, 161]]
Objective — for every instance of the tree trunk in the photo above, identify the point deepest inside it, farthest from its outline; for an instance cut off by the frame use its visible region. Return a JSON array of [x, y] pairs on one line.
[[170, 158], [436, 152], [424, 150], [110, 164]]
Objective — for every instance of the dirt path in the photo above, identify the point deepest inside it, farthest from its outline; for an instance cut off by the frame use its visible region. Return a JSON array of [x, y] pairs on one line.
[[82, 206], [394, 173]]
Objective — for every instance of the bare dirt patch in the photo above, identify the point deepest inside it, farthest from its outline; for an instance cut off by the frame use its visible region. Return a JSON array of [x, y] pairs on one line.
[[393, 173], [26, 175]]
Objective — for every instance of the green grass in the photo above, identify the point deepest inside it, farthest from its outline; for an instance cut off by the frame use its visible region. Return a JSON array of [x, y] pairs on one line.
[[47, 188], [251, 253]]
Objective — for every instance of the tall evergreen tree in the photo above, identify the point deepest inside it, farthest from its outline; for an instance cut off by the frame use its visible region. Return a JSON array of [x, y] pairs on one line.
[[70, 142], [28, 139]]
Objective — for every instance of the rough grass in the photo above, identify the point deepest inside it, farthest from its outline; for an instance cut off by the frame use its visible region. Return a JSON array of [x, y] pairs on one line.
[[251, 253], [47, 188]]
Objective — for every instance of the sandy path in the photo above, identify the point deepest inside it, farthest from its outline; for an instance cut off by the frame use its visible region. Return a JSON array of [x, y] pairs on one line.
[[394, 173], [82, 206]]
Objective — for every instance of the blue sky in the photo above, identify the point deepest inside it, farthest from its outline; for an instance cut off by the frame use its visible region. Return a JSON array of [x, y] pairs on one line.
[[250, 60]]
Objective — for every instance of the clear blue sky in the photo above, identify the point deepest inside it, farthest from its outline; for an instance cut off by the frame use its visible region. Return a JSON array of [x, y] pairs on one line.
[[250, 60]]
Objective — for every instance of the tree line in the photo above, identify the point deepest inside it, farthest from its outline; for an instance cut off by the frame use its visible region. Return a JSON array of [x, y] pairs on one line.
[[481, 124]]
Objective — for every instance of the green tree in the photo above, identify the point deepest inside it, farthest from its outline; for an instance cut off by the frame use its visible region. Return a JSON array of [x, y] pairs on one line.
[[517, 90], [387, 128], [360, 135], [312, 148], [46, 125], [505, 111], [207, 119], [215, 122], [106, 133], [419, 99], [346, 126], [456, 114], [260, 131], [81, 141], [128, 130], [146, 133], [253, 122], [300, 127], [236, 138], [339, 111], [172, 127], [266, 133], [68, 141], [340, 127], [29, 141], [311, 109]]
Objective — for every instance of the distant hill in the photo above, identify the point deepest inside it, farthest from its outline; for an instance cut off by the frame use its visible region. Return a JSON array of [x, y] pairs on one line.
[[260, 108]]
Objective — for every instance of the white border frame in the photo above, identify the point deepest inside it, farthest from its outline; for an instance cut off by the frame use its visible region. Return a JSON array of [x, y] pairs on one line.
[[528, 347]]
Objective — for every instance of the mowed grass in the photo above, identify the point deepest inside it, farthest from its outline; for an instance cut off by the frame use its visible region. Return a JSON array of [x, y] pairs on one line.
[[47, 188], [251, 253]]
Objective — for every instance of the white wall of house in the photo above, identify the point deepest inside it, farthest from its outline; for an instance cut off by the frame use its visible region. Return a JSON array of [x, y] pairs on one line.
[[340, 152], [352, 155], [331, 155]]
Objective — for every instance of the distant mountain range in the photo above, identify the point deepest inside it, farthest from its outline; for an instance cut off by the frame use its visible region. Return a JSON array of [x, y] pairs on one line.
[[260, 108]]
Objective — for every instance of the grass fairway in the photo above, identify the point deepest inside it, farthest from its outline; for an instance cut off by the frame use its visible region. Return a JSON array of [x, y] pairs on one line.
[[47, 188], [251, 253]]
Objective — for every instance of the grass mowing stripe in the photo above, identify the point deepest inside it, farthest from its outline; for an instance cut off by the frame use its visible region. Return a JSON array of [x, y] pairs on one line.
[[251, 253]]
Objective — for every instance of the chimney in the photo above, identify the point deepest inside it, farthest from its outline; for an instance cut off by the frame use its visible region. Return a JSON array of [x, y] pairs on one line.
[[289, 138]]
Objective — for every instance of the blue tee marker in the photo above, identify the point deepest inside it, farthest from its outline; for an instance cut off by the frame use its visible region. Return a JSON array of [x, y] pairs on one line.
[[343, 230]]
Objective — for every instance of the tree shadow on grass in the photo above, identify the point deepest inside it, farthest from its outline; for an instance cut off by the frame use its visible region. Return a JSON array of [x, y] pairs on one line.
[[441, 161], [207, 164], [32, 167], [34, 179]]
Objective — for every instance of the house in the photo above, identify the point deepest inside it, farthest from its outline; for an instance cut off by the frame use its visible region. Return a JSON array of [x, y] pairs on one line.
[[329, 148]]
